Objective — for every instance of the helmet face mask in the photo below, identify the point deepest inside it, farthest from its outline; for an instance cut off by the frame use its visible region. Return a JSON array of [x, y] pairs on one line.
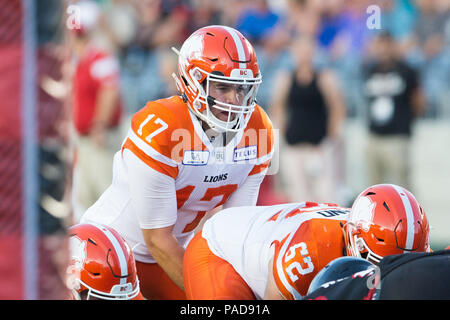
[[219, 58], [234, 116], [385, 220], [357, 247], [118, 292]]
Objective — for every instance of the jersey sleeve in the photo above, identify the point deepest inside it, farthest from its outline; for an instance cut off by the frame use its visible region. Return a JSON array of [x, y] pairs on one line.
[[150, 139], [247, 193], [292, 274], [153, 195], [302, 253]]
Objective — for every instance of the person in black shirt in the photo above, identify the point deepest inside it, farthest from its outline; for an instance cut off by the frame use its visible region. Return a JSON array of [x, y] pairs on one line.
[[308, 108], [395, 99]]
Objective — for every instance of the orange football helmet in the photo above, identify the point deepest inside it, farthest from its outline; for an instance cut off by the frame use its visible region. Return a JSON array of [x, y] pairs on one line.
[[218, 55], [386, 219], [101, 264]]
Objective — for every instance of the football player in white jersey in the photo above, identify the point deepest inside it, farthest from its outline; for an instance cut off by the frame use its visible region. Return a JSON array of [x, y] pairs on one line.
[[187, 155], [274, 252]]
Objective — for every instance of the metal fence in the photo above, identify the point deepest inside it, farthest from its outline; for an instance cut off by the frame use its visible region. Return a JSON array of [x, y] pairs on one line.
[[33, 173]]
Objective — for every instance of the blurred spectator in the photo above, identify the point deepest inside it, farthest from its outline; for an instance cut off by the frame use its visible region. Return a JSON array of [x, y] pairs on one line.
[[149, 16], [332, 22], [302, 18], [273, 56], [344, 37], [429, 27], [152, 80], [119, 24], [230, 11], [394, 99], [146, 61], [96, 111], [309, 110], [398, 17], [426, 49], [263, 27], [257, 20], [173, 30], [204, 13]]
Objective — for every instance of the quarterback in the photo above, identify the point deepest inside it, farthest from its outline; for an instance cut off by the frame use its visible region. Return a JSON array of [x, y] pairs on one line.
[[274, 252], [209, 146]]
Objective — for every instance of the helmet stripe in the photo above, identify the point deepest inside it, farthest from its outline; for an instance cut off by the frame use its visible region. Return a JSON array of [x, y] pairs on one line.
[[239, 46], [409, 217], [119, 251]]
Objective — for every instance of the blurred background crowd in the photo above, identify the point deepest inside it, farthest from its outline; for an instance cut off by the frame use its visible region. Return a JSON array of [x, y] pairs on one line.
[[345, 82], [358, 90]]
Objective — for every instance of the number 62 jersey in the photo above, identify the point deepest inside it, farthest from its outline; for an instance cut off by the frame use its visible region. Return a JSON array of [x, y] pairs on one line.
[[169, 172]]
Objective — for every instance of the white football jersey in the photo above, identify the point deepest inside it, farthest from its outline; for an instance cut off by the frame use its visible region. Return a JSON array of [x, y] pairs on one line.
[[248, 237], [169, 172]]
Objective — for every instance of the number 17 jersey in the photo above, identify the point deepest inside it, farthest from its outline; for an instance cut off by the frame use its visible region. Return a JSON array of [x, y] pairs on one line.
[[166, 141]]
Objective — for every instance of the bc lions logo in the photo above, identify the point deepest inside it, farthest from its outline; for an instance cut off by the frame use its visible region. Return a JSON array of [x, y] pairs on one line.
[[77, 258], [362, 212]]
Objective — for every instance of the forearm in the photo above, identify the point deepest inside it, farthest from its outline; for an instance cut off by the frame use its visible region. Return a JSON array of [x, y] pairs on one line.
[[168, 253], [272, 292], [153, 197]]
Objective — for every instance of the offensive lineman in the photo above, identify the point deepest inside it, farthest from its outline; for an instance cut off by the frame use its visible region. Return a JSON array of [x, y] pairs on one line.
[[274, 252]]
